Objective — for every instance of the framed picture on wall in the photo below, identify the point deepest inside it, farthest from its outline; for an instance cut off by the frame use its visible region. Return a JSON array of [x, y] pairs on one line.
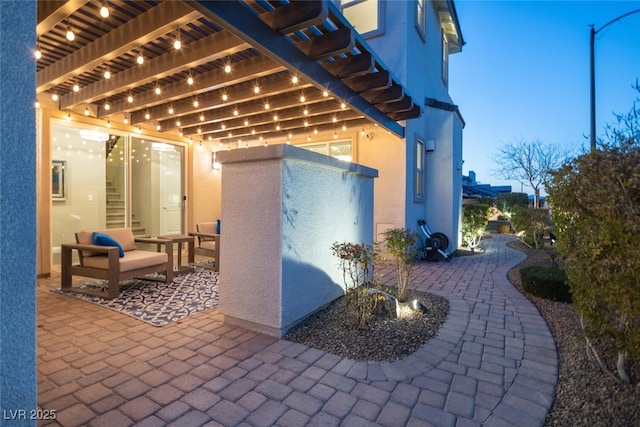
[[58, 180]]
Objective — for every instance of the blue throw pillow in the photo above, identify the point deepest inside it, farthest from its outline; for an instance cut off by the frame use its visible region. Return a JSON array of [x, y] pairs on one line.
[[106, 240]]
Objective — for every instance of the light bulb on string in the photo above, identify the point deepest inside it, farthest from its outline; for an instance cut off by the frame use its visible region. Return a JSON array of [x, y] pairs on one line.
[[70, 35], [76, 87], [140, 58], [104, 10]]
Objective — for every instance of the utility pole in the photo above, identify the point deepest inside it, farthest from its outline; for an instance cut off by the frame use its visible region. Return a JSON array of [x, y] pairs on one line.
[[592, 39]]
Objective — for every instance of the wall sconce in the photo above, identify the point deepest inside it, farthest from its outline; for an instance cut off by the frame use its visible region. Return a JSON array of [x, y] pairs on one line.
[[430, 145]]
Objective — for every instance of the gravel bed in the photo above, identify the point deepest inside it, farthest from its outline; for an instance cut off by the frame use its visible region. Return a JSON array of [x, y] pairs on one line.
[[585, 395], [384, 340]]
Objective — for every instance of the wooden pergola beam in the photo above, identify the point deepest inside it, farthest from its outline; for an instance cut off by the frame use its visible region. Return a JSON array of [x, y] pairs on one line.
[[296, 16], [351, 65], [329, 44], [142, 29]]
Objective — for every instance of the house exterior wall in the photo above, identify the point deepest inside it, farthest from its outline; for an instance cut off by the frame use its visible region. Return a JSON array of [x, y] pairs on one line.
[[417, 63]]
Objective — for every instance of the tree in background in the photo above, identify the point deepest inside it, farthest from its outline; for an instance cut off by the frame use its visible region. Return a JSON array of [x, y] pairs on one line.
[[529, 162], [596, 213], [475, 218]]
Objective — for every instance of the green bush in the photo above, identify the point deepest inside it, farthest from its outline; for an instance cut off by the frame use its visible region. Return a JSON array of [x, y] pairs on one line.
[[547, 283]]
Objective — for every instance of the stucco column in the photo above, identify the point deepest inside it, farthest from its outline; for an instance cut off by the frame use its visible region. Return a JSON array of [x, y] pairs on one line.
[[282, 208], [17, 212]]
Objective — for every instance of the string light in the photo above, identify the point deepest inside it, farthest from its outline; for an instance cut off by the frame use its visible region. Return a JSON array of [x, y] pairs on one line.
[[70, 34], [108, 124], [199, 131], [130, 98], [126, 120], [256, 89], [171, 110], [158, 90], [202, 117], [177, 44], [140, 58], [37, 104], [68, 117], [362, 131], [107, 106], [305, 111], [294, 79], [225, 97], [158, 127], [344, 127], [235, 112], [107, 73], [178, 123], [325, 93], [223, 126], [190, 79], [104, 11], [54, 97], [196, 103], [180, 132], [76, 87], [343, 105], [147, 115], [266, 105], [246, 122], [37, 53], [302, 98], [86, 111], [227, 68], [275, 117]]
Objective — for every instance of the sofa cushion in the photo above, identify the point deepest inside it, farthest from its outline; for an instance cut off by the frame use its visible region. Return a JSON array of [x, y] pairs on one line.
[[210, 245], [132, 260], [106, 240], [124, 236]]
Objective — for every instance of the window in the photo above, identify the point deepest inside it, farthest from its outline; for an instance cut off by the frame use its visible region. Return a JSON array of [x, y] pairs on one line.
[[421, 18], [338, 149], [418, 177], [366, 16], [445, 59]]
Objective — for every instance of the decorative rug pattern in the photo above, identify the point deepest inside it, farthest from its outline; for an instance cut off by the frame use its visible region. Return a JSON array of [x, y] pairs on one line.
[[159, 303]]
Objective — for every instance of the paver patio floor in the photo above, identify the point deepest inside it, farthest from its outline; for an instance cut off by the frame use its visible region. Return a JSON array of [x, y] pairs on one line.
[[493, 362]]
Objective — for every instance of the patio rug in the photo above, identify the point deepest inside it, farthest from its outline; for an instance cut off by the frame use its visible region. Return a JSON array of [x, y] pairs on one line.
[[159, 303]]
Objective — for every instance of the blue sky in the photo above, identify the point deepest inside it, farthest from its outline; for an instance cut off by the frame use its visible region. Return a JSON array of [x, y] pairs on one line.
[[524, 73]]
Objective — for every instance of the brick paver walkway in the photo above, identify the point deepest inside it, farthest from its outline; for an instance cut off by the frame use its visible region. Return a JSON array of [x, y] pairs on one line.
[[493, 363]]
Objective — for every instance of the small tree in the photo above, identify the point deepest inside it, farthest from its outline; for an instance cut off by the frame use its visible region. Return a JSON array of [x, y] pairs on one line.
[[401, 245], [529, 162], [475, 219], [356, 261], [596, 213]]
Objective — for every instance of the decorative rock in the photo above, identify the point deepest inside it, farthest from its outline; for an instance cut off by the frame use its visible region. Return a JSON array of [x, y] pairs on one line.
[[387, 306]]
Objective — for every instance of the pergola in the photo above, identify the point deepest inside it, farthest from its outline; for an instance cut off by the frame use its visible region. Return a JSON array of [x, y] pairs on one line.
[[211, 70]]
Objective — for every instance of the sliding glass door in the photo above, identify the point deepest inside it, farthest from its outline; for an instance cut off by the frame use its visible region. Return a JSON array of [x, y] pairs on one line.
[[101, 179]]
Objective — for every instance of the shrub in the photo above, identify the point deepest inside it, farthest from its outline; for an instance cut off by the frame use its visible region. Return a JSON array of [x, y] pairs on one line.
[[532, 222], [507, 202], [474, 223], [547, 283], [356, 261]]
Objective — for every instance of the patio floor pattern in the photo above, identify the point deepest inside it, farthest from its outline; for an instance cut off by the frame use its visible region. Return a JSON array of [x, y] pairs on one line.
[[493, 362]]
